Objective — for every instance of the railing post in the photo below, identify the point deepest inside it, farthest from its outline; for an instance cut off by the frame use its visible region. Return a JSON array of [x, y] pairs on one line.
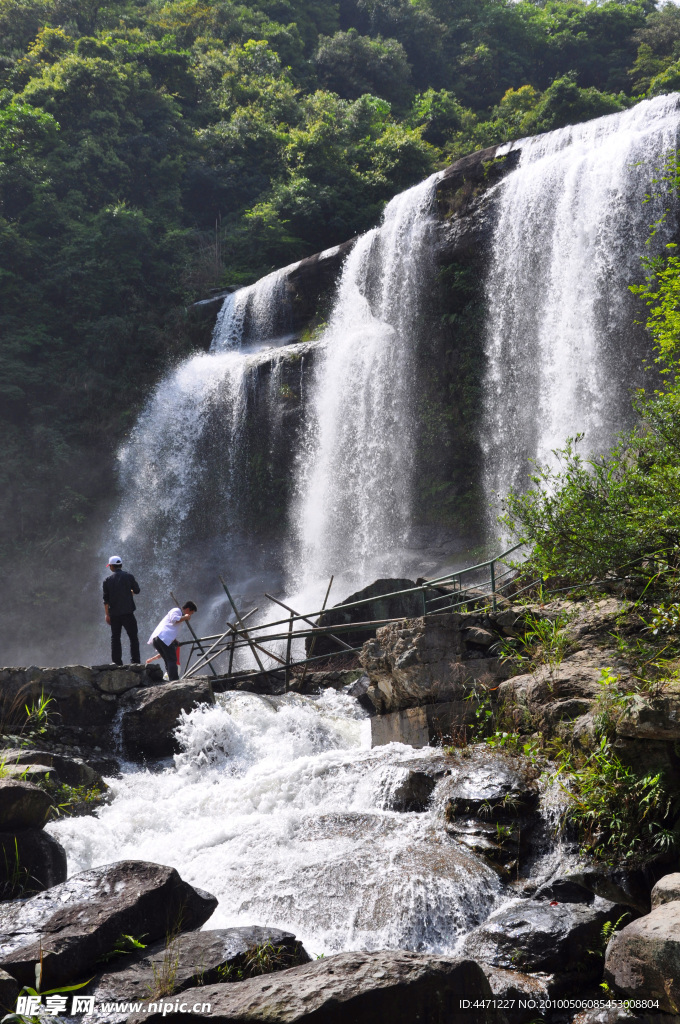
[[492, 567], [231, 653], [288, 651], [424, 601]]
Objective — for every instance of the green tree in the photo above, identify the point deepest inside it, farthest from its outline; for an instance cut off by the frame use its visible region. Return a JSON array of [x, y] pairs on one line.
[[351, 65]]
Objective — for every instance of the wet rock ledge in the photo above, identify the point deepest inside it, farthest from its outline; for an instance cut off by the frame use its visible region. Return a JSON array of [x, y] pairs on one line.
[[107, 709], [131, 931]]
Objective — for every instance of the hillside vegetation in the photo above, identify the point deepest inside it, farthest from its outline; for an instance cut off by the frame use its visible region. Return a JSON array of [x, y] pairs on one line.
[[150, 152]]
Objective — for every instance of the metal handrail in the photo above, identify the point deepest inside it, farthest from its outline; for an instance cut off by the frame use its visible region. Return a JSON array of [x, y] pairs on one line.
[[419, 588], [240, 638]]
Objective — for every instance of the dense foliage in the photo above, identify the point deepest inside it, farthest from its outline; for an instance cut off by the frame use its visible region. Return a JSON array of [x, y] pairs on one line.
[[150, 151]]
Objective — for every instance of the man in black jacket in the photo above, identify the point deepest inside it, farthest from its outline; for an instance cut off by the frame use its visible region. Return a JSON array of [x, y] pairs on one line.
[[119, 607]]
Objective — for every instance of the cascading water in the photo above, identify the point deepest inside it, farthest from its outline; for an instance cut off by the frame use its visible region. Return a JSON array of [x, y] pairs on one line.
[[277, 809], [561, 348], [185, 471], [353, 508]]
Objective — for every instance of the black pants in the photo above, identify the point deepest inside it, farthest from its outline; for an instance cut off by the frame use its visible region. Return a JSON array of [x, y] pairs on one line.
[[129, 623], [169, 656]]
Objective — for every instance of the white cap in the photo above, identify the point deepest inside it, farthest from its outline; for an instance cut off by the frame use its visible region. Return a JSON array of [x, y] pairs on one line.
[[115, 560]]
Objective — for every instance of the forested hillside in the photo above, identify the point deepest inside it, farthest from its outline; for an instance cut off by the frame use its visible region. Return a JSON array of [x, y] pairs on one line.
[[150, 152]]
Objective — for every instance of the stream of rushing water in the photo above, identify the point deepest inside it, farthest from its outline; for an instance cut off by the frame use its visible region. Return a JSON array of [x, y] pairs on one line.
[[278, 808]]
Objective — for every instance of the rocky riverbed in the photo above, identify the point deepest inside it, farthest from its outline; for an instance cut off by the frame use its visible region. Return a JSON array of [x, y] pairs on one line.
[[370, 822]]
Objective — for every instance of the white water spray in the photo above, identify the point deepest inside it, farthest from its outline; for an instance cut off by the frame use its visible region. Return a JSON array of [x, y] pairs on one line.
[[570, 232], [277, 809]]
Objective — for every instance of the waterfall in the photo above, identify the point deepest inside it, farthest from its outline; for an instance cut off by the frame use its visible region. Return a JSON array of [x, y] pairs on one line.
[[562, 353], [186, 471], [279, 469], [352, 512]]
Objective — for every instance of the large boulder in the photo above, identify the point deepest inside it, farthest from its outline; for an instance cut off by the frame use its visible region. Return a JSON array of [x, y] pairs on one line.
[[37, 773], [643, 959], [428, 660], [196, 958], [378, 606], [666, 890], [30, 861], [73, 924], [628, 887], [22, 805], [555, 694], [530, 936], [349, 988], [83, 700], [149, 722], [652, 718]]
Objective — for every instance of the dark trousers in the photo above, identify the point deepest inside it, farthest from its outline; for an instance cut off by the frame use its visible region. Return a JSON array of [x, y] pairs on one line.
[[169, 656], [129, 623]]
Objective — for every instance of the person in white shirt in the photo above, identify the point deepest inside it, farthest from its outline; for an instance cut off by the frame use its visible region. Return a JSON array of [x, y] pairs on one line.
[[164, 637]]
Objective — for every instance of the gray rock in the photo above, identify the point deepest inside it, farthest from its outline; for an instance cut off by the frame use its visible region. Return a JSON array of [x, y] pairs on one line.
[[666, 890], [75, 923], [422, 661], [36, 773], [114, 679], [148, 725], [78, 710], [412, 793], [349, 988], [433, 724], [565, 890], [552, 695], [9, 990], [22, 805], [628, 888], [643, 959], [70, 770], [195, 958], [652, 718], [514, 987], [478, 836], [30, 861], [529, 936], [479, 636], [377, 607], [490, 785], [359, 690]]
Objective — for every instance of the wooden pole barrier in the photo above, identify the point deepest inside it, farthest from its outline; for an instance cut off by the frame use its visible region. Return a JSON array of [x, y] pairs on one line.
[[289, 644], [240, 622], [312, 624], [313, 640], [254, 643]]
